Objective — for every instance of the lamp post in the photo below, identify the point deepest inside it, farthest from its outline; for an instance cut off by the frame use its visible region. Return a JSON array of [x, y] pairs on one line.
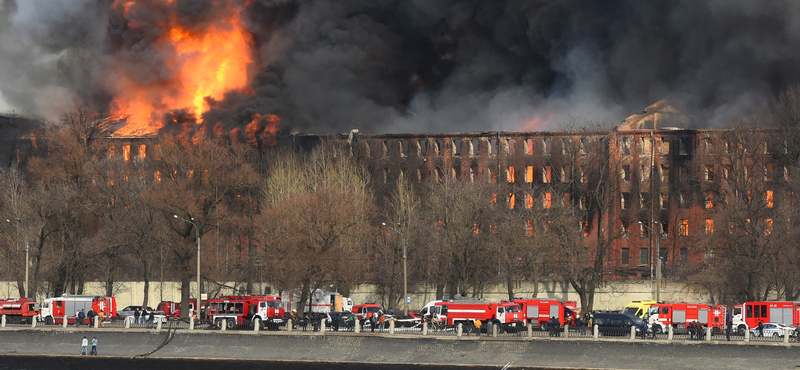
[[657, 236], [27, 250], [405, 269], [197, 236]]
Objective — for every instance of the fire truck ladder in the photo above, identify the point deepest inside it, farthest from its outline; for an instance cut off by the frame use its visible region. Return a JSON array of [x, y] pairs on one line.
[[171, 330]]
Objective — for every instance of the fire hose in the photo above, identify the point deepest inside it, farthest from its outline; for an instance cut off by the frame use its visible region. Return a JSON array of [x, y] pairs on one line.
[[171, 330]]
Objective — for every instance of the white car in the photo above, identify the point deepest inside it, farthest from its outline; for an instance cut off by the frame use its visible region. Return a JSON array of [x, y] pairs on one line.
[[773, 329]]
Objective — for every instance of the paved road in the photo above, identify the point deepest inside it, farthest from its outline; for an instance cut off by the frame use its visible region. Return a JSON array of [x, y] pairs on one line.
[[380, 349]]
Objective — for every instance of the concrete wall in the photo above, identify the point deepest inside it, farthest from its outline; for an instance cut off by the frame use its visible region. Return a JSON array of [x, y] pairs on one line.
[[381, 349], [614, 295]]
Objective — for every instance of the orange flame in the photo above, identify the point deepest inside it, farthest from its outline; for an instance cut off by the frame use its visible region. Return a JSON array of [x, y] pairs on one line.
[[538, 123], [201, 64]]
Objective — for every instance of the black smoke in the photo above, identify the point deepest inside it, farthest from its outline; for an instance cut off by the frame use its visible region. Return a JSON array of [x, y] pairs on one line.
[[432, 65]]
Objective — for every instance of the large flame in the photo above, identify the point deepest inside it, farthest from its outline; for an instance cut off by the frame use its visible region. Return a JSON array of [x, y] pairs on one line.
[[200, 64]]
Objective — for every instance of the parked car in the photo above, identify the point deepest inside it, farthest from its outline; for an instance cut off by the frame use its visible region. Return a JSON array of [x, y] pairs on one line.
[[129, 311], [412, 319], [773, 329], [611, 324]]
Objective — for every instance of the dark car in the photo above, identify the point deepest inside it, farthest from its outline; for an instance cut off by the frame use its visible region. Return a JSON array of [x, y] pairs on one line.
[[617, 324]]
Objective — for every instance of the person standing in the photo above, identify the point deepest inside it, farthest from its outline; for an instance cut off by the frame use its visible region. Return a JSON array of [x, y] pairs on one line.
[[136, 315], [101, 318], [79, 318], [728, 326], [94, 346], [84, 346], [478, 328], [151, 320], [381, 320]]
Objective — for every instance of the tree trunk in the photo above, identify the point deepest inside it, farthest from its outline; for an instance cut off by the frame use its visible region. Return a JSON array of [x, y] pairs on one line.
[[186, 276], [146, 278], [439, 291], [510, 284]]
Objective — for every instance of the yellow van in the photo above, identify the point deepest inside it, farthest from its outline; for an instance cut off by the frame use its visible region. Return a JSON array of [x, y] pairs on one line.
[[638, 308]]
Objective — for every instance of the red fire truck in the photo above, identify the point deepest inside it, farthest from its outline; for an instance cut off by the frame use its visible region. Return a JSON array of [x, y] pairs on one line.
[[265, 311], [173, 309], [748, 315], [54, 309], [538, 311], [20, 311], [506, 315], [679, 315]]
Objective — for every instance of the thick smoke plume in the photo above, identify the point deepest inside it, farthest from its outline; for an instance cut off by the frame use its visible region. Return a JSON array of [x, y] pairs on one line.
[[422, 65]]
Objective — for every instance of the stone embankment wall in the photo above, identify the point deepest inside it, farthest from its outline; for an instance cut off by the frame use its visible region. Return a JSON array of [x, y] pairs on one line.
[[614, 295], [381, 349]]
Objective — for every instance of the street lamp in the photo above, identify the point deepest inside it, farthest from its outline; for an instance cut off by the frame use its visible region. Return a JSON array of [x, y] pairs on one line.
[[197, 235], [657, 236], [405, 268], [27, 250]]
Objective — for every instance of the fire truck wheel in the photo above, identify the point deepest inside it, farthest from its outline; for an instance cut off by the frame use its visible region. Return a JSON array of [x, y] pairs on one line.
[[218, 324], [543, 326], [740, 330], [230, 324], [48, 321]]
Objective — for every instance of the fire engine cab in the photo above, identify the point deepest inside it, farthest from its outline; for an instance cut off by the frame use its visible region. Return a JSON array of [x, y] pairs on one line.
[[366, 310], [538, 311], [679, 315], [506, 315], [54, 309], [20, 311], [265, 311], [748, 315]]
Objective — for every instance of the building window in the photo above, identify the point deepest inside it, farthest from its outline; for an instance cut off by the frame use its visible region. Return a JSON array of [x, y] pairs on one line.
[[644, 229], [625, 256], [142, 151], [709, 226], [644, 173], [566, 200], [684, 230], [683, 200], [512, 200], [684, 256], [548, 200], [126, 152], [529, 174], [510, 174], [708, 172], [528, 228], [564, 175], [664, 146], [529, 146], [625, 200], [709, 200], [769, 199], [565, 146], [646, 147], [683, 146], [644, 256], [528, 201], [768, 226], [626, 146], [626, 173], [768, 172], [664, 200], [664, 173], [546, 145], [547, 174], [625, 224], [664, 227], [585, 228], [644, 200]]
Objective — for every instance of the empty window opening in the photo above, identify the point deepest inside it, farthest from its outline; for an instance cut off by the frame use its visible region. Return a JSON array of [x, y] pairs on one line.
[[709, 226], [457, 146], [684, 227], [625, 173], [770, 199], [529, 174], [528, 201], [625, 145], [548, 200], [142, 151], [529, 146], [709, 200], [546, 147], [126, 152], [510, 144], [510, 174], [512, 200], [644, 200], [547, 174], [664, 173], [664, 146], [625, 200]]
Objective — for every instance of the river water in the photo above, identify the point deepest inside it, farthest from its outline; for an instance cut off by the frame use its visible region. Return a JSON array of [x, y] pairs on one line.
[[109, 363]]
